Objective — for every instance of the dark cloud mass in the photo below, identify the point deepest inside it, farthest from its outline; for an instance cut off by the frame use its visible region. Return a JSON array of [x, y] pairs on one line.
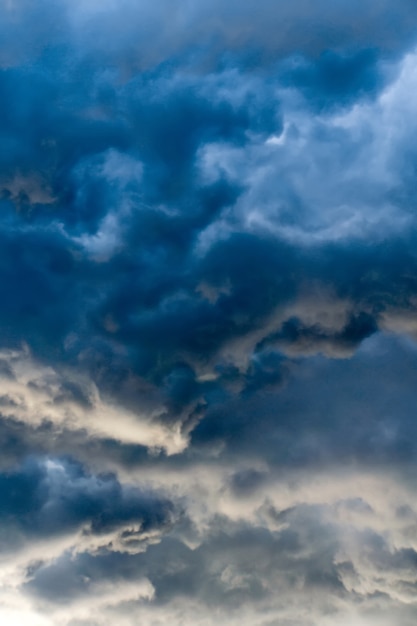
[[208, 284], [53, 497]]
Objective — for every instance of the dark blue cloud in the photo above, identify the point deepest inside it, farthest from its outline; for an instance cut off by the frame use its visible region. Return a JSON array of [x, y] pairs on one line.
[[335, 79], [329, 411], [44, 498], [208, 282]]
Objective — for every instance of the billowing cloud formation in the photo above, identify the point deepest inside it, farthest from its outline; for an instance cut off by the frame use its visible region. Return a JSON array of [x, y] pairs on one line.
[[208, 281]]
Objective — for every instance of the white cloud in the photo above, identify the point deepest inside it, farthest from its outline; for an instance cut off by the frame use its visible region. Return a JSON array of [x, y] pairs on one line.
[[36, 395]]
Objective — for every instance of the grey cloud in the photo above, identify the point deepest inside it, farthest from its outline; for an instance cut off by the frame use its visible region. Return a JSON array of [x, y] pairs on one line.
[[297, 572], [233, 565]]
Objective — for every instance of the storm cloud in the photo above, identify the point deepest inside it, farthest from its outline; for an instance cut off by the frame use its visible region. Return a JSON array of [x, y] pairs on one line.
[[208, 282]]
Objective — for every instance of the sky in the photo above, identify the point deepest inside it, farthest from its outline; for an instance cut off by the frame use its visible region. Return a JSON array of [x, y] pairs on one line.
[[208, 318]]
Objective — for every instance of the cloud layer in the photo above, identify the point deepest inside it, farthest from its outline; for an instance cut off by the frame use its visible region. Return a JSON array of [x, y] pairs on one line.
[[208, 287]]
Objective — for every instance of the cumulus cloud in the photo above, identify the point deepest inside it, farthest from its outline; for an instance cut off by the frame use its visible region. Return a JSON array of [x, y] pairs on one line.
[[301, 551]]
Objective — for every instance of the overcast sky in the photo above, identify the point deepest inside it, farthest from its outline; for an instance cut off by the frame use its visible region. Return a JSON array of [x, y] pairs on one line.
[[208, 312]]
